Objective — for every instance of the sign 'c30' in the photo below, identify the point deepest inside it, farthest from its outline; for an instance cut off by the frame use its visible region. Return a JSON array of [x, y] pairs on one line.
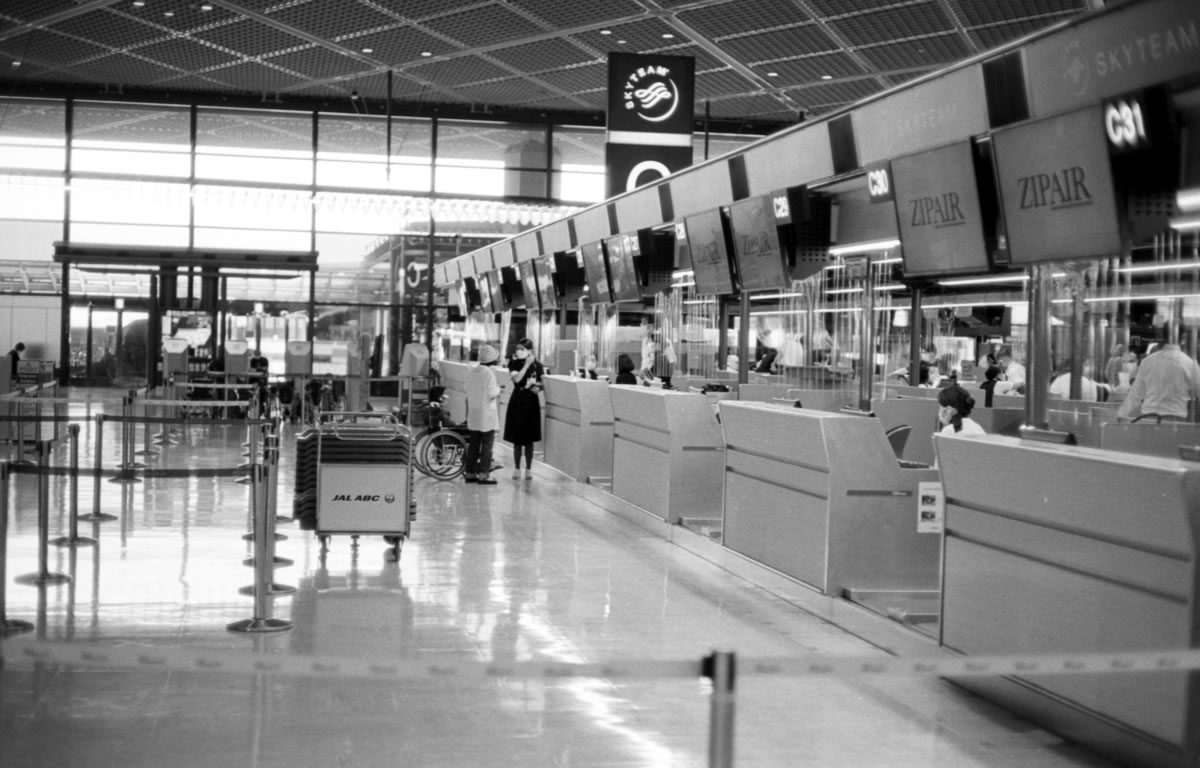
[[651, 94]]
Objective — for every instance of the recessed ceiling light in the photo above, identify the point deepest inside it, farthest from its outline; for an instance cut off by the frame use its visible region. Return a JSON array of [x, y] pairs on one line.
[[826, 77], [368, 50], [206, 7], [606, 31], [620, 42], [168, 14], [426, 54], [16, 63], [668, 35], [772, 74], [138, 3]]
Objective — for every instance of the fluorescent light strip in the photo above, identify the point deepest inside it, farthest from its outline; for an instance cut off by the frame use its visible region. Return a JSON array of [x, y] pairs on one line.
[[866, 247], [1186, 223], [985, 280], [682, 273], [973, 304], [773, 297], [1160, 267], [886, 287], [1101, 299]]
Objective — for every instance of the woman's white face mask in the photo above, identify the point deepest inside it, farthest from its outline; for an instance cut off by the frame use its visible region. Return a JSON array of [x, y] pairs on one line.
[[522, 353], [946, 414]]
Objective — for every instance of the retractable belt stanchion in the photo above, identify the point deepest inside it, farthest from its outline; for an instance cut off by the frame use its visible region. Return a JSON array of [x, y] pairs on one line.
[[7, 626], [96, 515], [273, 469], [264, 550], [721, 669], [129, 436], [73, 537], [270, 454], [43, 576], [146, 440], [127, 464], [20, 436]]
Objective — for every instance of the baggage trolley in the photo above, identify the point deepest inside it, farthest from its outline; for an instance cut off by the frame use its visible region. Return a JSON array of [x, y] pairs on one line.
[[364, 478]]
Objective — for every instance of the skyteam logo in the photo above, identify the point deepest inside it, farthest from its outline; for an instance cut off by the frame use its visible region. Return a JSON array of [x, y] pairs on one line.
[[651, 94]]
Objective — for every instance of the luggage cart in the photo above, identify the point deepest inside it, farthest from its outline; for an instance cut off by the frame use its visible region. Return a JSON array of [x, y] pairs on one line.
[[364, 478]]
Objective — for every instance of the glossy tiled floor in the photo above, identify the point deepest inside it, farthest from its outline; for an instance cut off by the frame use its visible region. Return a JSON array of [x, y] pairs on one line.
[[523, 570]]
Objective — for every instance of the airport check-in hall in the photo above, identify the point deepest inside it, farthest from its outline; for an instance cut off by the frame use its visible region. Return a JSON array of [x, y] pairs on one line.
[[615, 383]]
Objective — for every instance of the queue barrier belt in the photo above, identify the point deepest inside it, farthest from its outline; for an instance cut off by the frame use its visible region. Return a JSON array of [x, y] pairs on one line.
[[43, 419], [168, 420], [211, 385], [34, 469], [241, 662], [40, 401]]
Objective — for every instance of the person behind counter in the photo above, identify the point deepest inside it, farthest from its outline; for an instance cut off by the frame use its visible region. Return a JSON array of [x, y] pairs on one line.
[[483, 418], [991, 377], [523, 420], [954, 415], [1167, 381], [625, 368], [15, 354]]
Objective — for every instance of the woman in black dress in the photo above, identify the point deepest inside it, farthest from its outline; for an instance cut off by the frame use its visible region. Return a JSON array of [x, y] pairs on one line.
[[523, 420]]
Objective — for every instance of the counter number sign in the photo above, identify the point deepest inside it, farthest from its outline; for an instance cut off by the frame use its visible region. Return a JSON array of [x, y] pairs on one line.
[[879, 183], [1125, 124]]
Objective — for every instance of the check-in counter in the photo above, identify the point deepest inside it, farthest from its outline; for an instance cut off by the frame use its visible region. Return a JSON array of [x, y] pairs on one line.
[[820, 496], [812, 399], [579, 427], [1149, 438], [668, 452], [1061, 549]]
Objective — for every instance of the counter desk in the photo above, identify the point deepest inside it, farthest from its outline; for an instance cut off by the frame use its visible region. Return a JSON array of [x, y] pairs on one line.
[[579, 427], [668, 452], [1060, 549], [820, 497]]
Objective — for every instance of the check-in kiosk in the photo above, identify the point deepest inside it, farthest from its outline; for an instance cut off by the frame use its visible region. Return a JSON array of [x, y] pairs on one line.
[[820, 497], [1069, 549], [237, 356], [668, 452], [297, 358], [579, 427], [175, 357]]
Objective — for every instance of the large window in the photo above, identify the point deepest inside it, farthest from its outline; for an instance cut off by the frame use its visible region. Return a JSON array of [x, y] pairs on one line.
[[245, 145], [131, 139], [33, 135]]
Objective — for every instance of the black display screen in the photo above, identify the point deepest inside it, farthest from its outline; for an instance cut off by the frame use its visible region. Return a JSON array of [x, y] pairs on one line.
[[496, 290], [594, 265], [621, 270], [760, 260], [710, 256]]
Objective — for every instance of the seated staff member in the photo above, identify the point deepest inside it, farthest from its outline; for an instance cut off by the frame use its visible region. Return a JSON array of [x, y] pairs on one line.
[[954, 415], [625, 367]]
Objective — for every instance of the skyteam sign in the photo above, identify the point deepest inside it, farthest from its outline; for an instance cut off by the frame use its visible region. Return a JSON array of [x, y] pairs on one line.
[[649, 118]]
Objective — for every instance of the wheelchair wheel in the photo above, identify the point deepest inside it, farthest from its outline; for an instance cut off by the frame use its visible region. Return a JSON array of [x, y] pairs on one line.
[[442, 454]]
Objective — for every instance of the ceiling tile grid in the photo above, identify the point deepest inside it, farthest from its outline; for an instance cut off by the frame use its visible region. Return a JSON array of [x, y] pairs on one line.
[[185, 17], [50, 48], [400, 45], [995, 35], [722, 83], [543, 56], [927, 52], [638, 37], [109, 29], [515, 90], [734, 18], [780, 44], [459, 71], [187, 55], [566, 15], [705, 61], [829, 8], [892, 24], [980, 12], [824, 94], [253, 77], [331, 20], [813, 68], [250, 38], [317, 63], [125, 69], [484, 26], [589, 77]]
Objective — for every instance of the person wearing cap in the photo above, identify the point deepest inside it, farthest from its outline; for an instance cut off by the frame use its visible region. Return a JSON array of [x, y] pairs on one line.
[[483, 417], [15, 354], [954, 416]]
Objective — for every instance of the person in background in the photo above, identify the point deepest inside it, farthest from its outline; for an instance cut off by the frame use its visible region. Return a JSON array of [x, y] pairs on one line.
[[15, 354], [1061, 386], [664, 359], [523, 421], [991, 377], [1013, 382], [767, 363], [483, 392], [1167, 381], [822, 346], [954, 416], [646, 369], [1114, 366], [625, 368]]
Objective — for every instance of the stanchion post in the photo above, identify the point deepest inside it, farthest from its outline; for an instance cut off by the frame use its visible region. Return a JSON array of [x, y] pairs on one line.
[[7, 626], [44, 575], [264, 553], [96, 515], [73, 537], [146, 441], [721, 668]]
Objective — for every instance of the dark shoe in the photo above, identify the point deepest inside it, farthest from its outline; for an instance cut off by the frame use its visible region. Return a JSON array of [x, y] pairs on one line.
[[470, 479], [486, 481]]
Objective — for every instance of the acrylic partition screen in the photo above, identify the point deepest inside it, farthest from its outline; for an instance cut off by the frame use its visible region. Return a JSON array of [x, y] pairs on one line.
[[710, 257], [545, 280], [597, 273], [529, 286], [756, 244], [621, 270]]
